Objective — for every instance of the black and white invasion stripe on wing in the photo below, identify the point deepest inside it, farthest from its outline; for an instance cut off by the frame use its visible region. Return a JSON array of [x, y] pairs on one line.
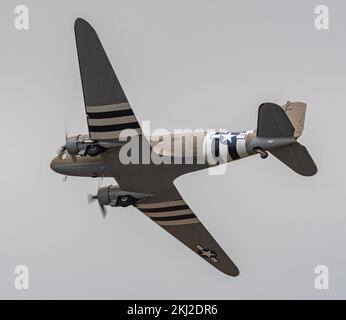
[[107, 121], [169, 213]]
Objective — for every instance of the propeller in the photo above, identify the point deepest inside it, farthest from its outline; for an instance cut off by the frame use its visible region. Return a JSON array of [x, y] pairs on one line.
[[63, 148], [93, 197]]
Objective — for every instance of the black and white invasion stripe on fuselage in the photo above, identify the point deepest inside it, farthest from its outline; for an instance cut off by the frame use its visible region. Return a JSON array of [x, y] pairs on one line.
[[225, 145]]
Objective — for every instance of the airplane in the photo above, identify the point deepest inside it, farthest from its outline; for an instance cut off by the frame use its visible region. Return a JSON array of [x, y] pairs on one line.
[[150, 187]]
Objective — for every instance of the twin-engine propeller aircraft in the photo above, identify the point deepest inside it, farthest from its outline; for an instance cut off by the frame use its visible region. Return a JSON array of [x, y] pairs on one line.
[[149, 187]]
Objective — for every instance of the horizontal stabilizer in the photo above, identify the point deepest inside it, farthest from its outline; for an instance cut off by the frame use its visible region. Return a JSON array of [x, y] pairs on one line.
[[297, 158]]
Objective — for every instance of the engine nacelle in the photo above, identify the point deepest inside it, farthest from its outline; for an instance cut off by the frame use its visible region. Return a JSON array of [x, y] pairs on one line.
[[82, 145], [113, 196]]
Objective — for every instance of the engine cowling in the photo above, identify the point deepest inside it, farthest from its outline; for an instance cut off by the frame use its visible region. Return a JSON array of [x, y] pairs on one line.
[[82, 145], [113, 196], [108, 195]]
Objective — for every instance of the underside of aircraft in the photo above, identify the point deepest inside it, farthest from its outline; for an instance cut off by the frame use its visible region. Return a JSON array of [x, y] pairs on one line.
[[149, 186]]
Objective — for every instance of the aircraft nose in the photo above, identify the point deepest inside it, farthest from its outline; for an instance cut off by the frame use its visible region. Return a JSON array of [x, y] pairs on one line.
[[54, 164], [62, 164], [66, 164]]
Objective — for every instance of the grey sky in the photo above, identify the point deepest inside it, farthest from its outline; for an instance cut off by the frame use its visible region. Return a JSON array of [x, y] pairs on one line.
[[183, 64]]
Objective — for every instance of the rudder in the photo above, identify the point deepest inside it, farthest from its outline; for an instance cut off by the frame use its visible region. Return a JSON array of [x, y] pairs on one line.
[[295, 111]]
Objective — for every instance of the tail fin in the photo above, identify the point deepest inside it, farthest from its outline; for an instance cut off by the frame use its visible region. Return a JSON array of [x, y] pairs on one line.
[[295, 111], [273, 122], [286, 122]]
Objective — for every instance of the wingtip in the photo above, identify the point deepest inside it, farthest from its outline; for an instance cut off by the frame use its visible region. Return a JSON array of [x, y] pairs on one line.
[[80, 20], [234, 273], [80, 23], [229, 270], [311, 173], [83, 27]]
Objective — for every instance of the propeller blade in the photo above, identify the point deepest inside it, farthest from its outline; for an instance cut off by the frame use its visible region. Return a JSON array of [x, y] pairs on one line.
[[65, 131], [103, 210], [91, 198], [61, 150]]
